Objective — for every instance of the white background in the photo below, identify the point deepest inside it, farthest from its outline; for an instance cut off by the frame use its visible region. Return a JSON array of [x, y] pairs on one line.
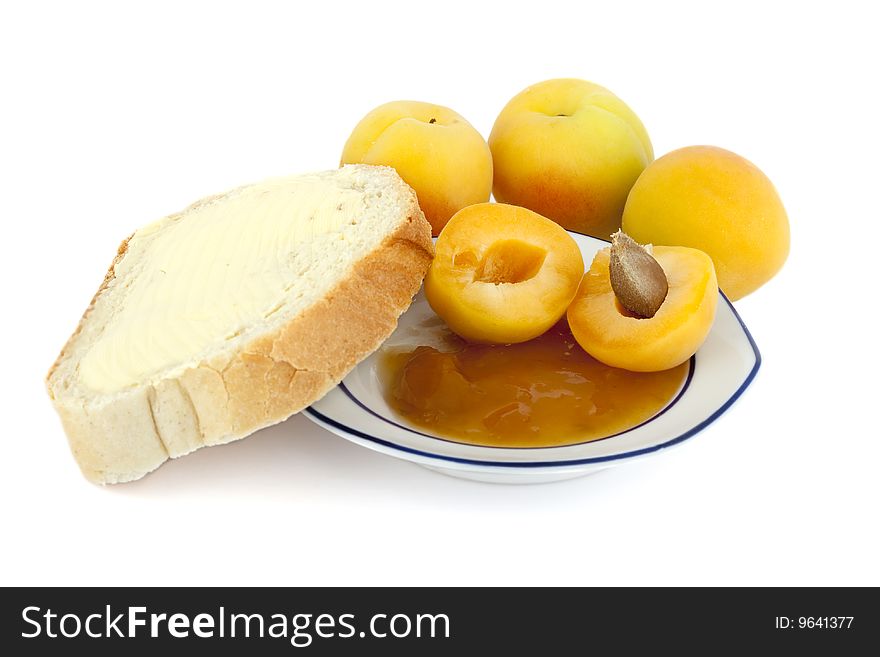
[[113, 116]]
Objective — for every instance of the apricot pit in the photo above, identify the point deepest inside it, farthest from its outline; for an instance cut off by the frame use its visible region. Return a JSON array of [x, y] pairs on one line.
[[637, 279]]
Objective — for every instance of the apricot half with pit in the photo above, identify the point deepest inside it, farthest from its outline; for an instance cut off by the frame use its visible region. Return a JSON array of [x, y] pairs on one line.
[[502, 274], [610, 329]]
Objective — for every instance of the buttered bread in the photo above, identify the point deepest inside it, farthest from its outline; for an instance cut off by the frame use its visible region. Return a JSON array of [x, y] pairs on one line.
[[236, 313]]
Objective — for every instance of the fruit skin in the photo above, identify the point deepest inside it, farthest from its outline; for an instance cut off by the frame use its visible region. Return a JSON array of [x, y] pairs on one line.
[[575, 169], [714, 200], [447, 162], [492, 241], [610, 334]]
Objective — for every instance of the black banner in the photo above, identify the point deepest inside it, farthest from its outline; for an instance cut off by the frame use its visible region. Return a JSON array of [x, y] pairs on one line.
[[436, 621]]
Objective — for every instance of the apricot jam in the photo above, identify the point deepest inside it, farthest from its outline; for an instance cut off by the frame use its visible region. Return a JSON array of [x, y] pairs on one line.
[[544, 392]]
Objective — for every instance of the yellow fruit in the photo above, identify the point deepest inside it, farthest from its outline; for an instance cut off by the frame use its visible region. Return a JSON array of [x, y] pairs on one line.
[[502, 274], [569, 150], [612, 335], [434, 150], [714, 200]]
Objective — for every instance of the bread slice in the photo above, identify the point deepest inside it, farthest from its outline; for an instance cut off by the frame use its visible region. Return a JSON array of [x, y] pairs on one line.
[[236, 313]]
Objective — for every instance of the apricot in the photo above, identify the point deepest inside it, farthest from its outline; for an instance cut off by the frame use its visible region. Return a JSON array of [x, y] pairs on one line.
[[435, 150], [714, 200], [617, 337], [502, 274], [569, 150]]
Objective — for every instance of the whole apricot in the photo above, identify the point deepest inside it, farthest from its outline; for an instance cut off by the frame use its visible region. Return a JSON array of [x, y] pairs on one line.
[[617, 337], [569, 150], [435, 150], [714, 200], [502, 274]]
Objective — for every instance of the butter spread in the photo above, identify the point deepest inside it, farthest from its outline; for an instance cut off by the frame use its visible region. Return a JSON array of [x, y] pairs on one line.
[[213, 273]]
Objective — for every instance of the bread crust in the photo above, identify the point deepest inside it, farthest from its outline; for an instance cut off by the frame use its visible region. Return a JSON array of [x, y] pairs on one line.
[[268, 379]]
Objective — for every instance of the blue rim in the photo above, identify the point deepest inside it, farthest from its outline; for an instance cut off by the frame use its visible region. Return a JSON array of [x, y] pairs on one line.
[[323, 419]]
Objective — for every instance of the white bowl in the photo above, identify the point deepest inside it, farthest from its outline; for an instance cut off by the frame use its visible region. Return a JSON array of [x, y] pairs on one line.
[[719, 373]]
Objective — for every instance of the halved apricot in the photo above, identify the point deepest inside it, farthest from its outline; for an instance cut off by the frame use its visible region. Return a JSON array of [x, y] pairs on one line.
[[502, 274], [613, 335]]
